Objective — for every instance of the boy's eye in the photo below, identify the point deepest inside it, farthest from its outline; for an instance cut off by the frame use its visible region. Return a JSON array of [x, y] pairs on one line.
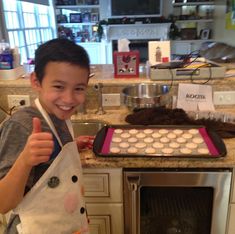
[[80, 89], [58, 86]]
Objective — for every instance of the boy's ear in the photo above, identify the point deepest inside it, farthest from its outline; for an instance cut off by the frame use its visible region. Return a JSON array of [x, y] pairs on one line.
[[34, 81]]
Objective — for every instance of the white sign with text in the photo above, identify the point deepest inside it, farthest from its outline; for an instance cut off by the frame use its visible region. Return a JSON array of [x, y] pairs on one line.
[[195, 97]]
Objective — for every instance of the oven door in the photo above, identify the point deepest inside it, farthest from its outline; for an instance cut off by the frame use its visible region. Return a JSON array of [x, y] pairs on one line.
[[168, 202]]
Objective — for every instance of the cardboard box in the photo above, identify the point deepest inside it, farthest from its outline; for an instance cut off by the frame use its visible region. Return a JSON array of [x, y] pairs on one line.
[[214, 71]]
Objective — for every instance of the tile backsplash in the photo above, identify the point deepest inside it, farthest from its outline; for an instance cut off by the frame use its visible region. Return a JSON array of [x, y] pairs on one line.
[[110, 86], [91, 99]]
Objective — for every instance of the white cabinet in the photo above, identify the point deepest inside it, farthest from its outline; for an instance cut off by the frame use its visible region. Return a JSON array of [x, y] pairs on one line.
[[97, 51], [104, 200]]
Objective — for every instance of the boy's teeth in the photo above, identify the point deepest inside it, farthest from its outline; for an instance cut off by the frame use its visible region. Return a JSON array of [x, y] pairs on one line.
[[65, 107]]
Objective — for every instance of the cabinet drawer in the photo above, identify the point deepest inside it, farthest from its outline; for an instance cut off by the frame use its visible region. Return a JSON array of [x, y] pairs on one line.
[[100, 224], [105, 217], [103, 185]]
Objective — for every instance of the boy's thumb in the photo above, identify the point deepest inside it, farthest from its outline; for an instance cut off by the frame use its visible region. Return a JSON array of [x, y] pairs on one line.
[[36, 125]]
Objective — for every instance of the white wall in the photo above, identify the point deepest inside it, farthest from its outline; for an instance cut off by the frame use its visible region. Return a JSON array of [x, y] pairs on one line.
[[222, 34]]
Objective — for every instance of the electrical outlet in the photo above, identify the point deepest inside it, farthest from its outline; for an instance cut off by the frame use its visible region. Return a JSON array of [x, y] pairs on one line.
[[224, 98], [111, 99], [15, 101]]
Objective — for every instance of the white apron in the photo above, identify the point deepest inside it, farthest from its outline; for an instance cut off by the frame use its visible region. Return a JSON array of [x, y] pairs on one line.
[[55, 204]]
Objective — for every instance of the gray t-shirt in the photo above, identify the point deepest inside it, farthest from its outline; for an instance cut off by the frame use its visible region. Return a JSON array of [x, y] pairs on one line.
[[13, 137]]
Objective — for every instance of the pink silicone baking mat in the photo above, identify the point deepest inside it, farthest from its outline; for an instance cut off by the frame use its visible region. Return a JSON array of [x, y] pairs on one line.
[[202, 132]]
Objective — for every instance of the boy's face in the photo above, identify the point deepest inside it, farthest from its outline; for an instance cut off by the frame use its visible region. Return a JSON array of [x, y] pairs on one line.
[[62, 89]]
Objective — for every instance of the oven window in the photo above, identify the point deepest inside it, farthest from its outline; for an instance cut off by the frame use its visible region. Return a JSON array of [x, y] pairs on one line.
[[170, 210]]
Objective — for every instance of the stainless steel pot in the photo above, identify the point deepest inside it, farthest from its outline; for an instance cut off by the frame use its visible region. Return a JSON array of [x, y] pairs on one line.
[[146, 95]]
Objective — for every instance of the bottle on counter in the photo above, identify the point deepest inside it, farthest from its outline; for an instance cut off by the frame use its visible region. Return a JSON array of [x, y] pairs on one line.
[[158, 55], [16, 57], [6, 57]]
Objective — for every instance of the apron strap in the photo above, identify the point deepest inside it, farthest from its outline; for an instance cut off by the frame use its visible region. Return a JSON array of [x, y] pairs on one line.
[[50, 123], [70, 127]]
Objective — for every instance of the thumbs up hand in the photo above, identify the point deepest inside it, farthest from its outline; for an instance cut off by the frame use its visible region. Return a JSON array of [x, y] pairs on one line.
[[39, 146]]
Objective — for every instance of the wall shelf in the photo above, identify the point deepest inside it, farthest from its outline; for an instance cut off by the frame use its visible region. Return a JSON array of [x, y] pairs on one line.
[[77, 6], [192, 4], [76, 24], [193, 41], [195, 21]]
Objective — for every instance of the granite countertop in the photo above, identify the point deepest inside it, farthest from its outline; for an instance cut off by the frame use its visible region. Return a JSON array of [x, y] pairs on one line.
[[105, 74], [89, 160]]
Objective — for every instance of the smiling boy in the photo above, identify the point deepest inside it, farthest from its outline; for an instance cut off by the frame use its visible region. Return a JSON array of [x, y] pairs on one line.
[[33, 137]]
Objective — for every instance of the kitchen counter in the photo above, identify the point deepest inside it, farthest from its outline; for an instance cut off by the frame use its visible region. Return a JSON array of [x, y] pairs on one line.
[[104, 75], [89, 160]]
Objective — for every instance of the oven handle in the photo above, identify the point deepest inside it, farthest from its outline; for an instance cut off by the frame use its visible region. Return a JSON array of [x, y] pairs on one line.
[[133, 183]]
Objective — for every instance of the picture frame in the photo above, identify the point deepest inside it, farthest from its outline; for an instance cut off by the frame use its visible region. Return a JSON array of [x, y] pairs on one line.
[[86, 17], [75, 18], [188, 33], [205, 34], [61, 19], [94, 17], [126, 64]]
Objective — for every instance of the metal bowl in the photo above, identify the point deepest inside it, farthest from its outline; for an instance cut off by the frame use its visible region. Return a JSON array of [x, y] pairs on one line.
[[145, 96]]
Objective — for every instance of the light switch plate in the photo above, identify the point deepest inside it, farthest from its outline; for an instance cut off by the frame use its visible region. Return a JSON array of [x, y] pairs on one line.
[[111, 99], [224, 98]]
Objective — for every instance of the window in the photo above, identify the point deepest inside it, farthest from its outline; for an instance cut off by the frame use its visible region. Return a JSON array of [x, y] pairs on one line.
[[28, 25]]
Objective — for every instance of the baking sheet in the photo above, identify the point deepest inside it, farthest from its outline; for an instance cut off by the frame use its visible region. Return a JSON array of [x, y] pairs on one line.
[[158, 141]]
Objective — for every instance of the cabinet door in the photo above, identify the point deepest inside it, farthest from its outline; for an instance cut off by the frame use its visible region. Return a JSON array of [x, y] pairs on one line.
[[100, 224], [103, 185], [231, 218], [105, 218], [96, 52]]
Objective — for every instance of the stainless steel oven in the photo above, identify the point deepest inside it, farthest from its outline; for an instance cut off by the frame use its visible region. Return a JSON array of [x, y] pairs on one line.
[[169, 202]]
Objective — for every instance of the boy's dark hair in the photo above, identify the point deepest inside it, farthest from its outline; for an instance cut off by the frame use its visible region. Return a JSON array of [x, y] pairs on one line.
[[59, 50]]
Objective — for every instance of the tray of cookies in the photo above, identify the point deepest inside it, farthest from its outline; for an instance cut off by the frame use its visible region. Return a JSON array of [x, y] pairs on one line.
[[158, 141]]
